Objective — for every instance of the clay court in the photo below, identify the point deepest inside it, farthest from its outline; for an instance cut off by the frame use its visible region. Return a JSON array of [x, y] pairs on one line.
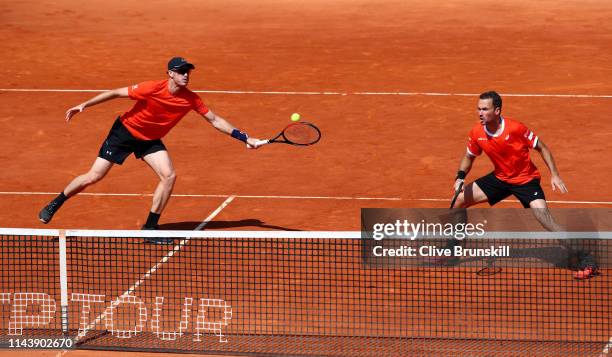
[[392, 85]]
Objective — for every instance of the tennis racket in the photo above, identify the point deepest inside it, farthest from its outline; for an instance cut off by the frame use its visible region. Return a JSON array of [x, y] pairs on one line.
[[457, 192], [299, 134], [490, 269]]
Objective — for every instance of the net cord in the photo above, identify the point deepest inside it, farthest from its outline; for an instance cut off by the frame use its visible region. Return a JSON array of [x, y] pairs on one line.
[[63, 280]]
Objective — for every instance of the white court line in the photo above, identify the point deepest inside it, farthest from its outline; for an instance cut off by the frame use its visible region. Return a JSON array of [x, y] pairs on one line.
[[549, 201], [213, 196], [292, 197], [431, 94], [323, 197], [223, 234], [169, 255]]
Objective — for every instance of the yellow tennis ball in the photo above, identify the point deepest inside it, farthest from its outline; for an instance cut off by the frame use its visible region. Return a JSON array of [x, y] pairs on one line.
[[295, 117]]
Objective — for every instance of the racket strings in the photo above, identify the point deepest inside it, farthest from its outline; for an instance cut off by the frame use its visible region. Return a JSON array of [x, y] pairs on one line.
[[301, 134]]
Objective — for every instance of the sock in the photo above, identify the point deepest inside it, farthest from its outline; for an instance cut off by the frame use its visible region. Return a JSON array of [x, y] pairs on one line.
[[152, 220], [61, 198]]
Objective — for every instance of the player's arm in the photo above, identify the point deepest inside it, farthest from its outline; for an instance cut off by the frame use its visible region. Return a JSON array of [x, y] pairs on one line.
[[555, 181], [100, 98], [225, 127], [464, 168]]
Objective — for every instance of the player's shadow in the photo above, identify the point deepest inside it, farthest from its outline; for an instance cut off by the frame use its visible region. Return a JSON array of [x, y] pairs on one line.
[[190, 226]]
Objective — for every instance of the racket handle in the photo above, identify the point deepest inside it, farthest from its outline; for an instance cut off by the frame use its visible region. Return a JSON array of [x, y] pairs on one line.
[[257, 144], [261, 142], [457, 192]]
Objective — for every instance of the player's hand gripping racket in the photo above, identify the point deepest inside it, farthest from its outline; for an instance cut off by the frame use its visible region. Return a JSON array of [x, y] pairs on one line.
[[457, 192], [299, 134]]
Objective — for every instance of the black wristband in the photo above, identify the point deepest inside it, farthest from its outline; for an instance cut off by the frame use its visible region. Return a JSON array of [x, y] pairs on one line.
[[237, 134], [461, 175]]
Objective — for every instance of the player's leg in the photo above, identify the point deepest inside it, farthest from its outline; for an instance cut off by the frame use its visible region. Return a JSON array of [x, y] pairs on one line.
[[98, 170], [161, 163], [485, 189], [579, 258], [114, 150], [472, 194], [542, 214], [532, 196]]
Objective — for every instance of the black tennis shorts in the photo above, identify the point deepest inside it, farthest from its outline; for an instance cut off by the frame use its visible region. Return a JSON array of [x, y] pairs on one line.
[[496, 190], [120, 143]]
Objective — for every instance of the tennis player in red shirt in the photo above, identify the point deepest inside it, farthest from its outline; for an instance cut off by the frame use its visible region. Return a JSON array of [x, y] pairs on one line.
[[507, 143], [159, 106]]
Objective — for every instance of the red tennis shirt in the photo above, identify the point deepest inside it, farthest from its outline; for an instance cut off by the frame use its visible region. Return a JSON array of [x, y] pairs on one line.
[[508, 149], [157, 110]]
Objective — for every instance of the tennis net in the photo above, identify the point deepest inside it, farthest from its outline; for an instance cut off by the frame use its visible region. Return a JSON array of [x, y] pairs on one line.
[[305, 293]]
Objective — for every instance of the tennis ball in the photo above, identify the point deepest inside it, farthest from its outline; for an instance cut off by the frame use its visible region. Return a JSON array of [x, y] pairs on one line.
[[295, 117]]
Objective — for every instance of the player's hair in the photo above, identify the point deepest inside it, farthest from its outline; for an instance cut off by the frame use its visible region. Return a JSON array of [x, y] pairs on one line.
[[497, 101]]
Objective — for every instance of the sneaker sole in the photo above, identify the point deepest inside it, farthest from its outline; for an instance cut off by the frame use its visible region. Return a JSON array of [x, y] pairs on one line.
[[43, 220]]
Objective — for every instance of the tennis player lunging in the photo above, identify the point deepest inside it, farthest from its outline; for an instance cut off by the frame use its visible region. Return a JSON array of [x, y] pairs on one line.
[[507, 143], [159, 106]]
